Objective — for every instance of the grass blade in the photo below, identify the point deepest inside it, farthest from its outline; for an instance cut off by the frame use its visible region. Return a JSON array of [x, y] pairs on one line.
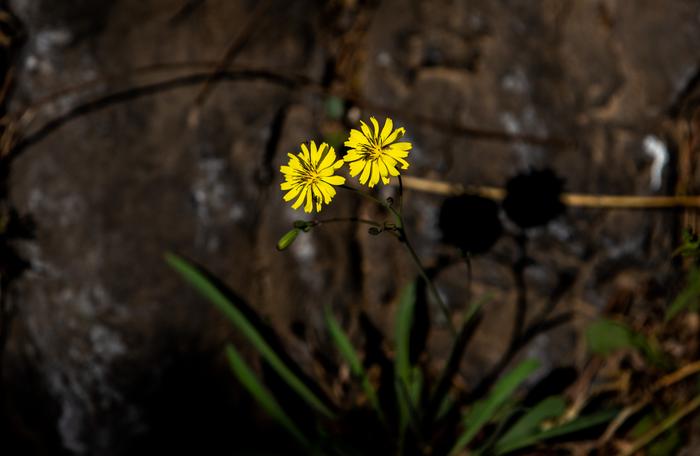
[[482, 412], [202, 284], [250, 382], [579, 424], [350, 355], [528, 424], [469, 325]]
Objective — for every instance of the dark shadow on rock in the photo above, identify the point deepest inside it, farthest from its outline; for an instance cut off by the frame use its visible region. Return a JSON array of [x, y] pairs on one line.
[[533, 198], [470, 223]]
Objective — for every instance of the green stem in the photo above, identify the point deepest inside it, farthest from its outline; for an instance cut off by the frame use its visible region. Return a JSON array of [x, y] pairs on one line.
[[428, 281], [402, 236], [346, 219]]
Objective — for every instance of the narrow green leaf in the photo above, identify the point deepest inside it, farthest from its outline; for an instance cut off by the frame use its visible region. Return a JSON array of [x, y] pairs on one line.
[[484, 410], [529, 424], [579, 424], [688, 298], [606, 336], [402, 363], [351, 357], [202, 284], [666, 443], [469, 325], [264, 398]]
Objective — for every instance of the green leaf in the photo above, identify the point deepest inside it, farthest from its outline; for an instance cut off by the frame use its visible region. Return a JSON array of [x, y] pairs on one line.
[[264, 398], [690, 247], [350, 355], [606, 336], [204, 286], [529, 424], [689, 297], [335, 107], [469, 324], [484, 410], [579, 424]]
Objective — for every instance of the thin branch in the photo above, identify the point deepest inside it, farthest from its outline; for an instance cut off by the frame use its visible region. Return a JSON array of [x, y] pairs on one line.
[[145, 90], [232, 50], [570, 199], [633, 409], [662, 427]]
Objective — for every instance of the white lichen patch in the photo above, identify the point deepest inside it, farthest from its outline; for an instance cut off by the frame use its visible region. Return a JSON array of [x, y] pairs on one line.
[[657, 150]]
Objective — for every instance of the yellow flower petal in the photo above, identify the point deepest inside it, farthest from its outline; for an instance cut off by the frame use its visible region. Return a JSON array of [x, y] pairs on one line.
[[386, 131], [365, 172], [375, 124], [292, 193], [308, 207], [309, 176], [365, 130], [374, 174], [328, 160], [316, 153], [405, 146], [305, 153], [374, 154], [327, 190], [356, 167], [397, 134], [318, 197], [334, 180], [300, 200]]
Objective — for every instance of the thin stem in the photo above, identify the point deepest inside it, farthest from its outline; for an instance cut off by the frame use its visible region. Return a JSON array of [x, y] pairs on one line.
[[521, 290], [428, 281], [466, 256], [403, 238], [347, 219], [366, 195], [400, 194]]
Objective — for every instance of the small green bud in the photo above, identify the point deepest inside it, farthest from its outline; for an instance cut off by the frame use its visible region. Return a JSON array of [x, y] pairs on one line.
[[288, 238]]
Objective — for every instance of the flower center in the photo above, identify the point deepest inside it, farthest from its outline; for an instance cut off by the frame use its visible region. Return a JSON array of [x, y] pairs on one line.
[[375, 152], [312, 176]]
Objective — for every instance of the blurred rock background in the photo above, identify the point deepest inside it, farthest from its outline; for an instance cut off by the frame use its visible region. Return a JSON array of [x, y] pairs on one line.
[[110, 353]]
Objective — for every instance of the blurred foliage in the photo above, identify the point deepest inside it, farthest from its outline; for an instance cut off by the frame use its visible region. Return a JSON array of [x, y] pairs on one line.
[[689, 297], [668, 443], [418, 414]]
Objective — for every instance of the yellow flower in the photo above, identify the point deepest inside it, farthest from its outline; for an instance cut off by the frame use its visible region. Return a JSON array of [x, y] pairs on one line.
[[376, 154], [309, 176]]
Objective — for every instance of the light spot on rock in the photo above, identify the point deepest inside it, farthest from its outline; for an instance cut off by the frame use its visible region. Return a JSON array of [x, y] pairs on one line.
[[48, 41], [516, 82], [384, 59], [656, 149]]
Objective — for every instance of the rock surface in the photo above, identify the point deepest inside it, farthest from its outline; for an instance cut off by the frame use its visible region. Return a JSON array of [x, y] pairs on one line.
[[104, 321]]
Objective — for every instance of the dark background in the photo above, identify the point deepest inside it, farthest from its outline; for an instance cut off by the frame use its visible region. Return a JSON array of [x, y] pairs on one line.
[[111, 353]]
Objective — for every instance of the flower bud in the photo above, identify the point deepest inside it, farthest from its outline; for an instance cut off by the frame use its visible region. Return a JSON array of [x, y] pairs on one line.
[[288, 238]]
